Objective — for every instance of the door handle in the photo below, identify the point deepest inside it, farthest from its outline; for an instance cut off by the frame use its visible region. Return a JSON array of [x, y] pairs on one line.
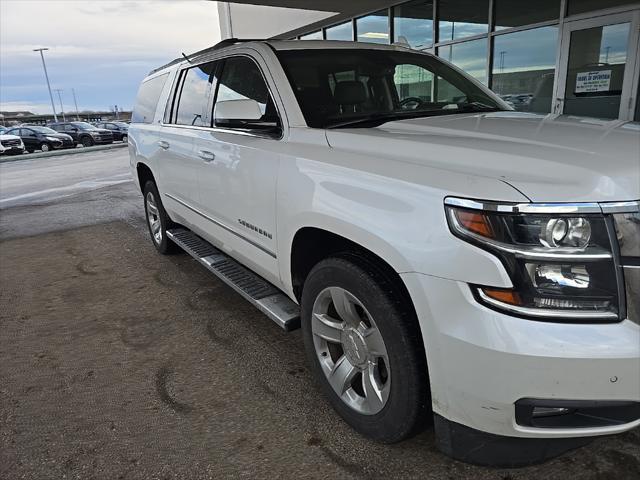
[[207, 156], [163, 145]]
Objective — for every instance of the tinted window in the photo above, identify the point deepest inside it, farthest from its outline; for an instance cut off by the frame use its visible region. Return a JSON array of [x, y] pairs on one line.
[[194, 95], [68, 128], [463, 18], [581, 6], [312, 36], [343, 31], [413, 24], [58, 128], [241, 79], [147, 99], [469, 56], [373, 28], [524, 66], [335, 86], [514, 13], [25, 132]]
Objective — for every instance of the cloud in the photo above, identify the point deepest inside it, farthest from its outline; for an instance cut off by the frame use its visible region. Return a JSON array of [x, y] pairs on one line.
[[102, 49]]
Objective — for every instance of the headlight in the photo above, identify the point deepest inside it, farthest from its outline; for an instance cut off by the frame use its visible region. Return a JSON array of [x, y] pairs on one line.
[[53, 139], [559, 258]]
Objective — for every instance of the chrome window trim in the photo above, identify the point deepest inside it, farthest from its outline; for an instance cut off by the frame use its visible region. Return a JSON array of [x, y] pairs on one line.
[[544, 208], [531, 252], [222, 225], [217, 129], [545, 313]]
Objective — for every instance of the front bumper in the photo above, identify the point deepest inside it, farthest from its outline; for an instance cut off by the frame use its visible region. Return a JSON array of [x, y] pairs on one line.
[[481, 362]]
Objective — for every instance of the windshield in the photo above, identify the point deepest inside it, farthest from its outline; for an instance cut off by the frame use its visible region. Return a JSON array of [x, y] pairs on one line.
[[46, 130], [83, 125], [356, 87]]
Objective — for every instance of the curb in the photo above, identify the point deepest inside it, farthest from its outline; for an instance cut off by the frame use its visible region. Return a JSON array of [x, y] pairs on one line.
[[57, 153]]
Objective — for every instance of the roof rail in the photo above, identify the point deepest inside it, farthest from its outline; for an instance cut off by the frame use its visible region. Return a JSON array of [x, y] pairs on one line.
[[223, 43]]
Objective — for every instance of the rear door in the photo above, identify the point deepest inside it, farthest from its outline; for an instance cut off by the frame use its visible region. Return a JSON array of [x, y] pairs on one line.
[[238, 169], [186, 114], [29, 138]]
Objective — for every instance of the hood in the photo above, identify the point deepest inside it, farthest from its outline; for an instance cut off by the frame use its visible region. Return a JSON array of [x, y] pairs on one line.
[[548, 158], [61, 136], [9, 137]]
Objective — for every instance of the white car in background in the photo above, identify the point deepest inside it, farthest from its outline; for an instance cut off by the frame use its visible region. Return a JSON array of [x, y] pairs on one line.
[[10, 144], [448, 258]]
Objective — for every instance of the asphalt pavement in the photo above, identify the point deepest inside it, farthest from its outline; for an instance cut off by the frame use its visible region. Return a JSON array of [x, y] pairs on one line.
[[117, 363]]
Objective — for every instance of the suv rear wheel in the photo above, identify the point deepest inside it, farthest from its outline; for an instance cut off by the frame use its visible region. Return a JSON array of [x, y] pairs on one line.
[[157, 220], [365, 350]]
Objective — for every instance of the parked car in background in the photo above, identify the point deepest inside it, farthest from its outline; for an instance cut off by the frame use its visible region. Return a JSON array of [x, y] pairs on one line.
[[119, 130], [10, 144], [36, 137], [448, 258], [84, 133]]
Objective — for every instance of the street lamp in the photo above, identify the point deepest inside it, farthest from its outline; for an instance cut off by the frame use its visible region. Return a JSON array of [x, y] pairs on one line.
[[55, 117], [59, 92]]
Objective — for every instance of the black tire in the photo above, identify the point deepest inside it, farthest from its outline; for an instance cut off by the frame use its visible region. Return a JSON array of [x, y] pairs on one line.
[[125, 138], [45, 147], [87, 141], [408, 407], [163, 245]]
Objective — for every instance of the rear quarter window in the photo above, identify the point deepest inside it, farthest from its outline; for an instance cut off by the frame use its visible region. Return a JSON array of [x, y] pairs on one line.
[[147, 99]]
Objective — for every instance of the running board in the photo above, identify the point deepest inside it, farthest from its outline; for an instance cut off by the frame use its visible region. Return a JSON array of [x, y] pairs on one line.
[[262, 294]]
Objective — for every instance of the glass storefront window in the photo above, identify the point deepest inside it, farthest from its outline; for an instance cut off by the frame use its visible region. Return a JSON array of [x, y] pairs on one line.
[[373, 28], [515, 13], [469, 56], [312, 36], [413, 24], [582, 6], [524, 65], [344, 31], [462, 18], [597, 61]]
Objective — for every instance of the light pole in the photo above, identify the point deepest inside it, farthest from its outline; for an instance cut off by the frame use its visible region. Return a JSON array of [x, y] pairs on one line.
[[75, 102], [59, 92], [44, 65]]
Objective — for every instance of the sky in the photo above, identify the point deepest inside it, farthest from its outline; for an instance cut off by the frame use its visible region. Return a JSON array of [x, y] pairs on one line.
[[100, 48]]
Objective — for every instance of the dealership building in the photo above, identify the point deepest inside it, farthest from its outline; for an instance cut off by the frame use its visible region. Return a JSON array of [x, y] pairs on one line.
[[573, 57]]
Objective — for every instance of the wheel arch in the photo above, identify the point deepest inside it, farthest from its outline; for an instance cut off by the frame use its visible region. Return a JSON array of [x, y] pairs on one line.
[[311, 244], [144, 175]]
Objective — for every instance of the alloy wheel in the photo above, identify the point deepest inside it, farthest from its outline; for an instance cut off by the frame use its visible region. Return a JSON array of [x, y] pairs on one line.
[[153, 218], [351, 350]]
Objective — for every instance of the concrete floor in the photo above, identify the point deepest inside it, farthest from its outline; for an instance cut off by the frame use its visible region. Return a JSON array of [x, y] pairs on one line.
[[116, 362]]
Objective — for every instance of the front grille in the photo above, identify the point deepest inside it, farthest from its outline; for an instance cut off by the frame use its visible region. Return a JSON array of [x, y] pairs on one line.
[[11, 143]]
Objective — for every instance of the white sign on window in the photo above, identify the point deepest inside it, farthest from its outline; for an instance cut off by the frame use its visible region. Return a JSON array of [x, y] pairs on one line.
[[587, 82]]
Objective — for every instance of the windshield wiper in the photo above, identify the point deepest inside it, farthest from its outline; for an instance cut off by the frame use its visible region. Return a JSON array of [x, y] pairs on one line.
[[478, 107], [377, 119]]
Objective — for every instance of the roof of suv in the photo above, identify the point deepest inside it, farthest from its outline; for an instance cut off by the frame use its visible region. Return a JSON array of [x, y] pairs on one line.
[[282, 45]]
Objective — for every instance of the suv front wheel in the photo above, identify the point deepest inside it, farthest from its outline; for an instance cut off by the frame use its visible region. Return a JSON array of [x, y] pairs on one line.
[[87, 141], [364, 346]]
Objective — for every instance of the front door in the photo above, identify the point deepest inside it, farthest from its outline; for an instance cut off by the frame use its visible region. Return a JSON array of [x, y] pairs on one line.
[[598, 67], [239, 170]]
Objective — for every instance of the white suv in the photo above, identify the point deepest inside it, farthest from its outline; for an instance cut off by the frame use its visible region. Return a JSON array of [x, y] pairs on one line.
[[446, 256]]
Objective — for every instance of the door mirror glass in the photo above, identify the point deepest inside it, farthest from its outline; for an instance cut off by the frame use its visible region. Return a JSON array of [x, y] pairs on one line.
[[237, 112]]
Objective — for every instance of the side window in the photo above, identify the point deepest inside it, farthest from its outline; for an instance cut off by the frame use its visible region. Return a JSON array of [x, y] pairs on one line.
[[195, 92], [27, 133], [241, 79], [413, 82], [147, 99], [68, 128]]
